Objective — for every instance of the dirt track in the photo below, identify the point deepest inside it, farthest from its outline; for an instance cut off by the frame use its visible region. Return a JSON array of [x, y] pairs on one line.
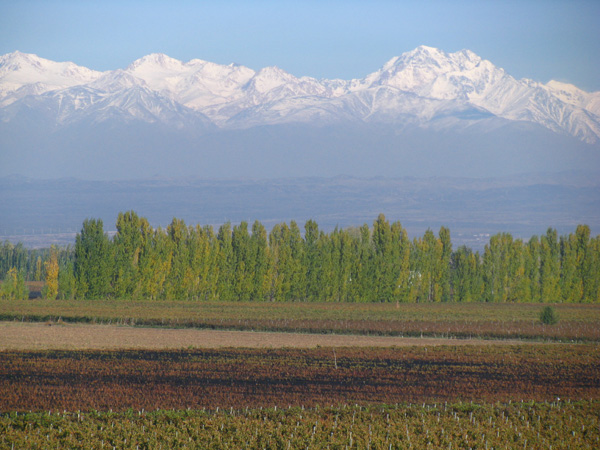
[[39, 336]]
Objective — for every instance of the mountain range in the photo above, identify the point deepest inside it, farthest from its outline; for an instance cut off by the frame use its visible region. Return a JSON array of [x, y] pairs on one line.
[[425, 112]]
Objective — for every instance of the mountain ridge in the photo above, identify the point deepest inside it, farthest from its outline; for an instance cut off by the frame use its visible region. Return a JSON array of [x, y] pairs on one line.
[[226, 94], [423, 113]]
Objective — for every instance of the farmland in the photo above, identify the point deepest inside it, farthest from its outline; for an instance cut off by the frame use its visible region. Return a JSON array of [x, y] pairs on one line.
[[579, 322], [61, 336], [556, 425], [124, 374], [507, 396], [225, 378]]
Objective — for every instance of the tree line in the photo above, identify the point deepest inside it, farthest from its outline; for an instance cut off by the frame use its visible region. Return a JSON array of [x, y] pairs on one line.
[[366, 264]]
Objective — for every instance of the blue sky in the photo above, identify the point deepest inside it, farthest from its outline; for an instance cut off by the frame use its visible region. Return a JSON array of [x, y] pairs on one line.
[[541, 39]]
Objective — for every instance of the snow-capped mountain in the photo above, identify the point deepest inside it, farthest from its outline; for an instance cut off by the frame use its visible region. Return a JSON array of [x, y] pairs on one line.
[[23, 74], [424, 112], [417, 87]]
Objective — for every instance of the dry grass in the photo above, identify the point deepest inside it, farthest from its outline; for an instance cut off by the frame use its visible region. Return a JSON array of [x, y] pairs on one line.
[[40, 336]]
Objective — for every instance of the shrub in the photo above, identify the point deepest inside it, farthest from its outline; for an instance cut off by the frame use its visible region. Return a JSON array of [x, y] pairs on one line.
[[549, 316]]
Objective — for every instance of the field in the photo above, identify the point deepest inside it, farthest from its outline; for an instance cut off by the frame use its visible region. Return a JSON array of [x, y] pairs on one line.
[[187, 379], [530, 425], [578, 322], [57, 336], [225, 378]]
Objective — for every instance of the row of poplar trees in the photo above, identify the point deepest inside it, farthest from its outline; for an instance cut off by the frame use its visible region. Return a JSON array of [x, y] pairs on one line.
[[366, 264]]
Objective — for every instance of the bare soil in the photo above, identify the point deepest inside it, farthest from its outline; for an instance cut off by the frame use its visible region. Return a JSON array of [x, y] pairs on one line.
[[53, 336]]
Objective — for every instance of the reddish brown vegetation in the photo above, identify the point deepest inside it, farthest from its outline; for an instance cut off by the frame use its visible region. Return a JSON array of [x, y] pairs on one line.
[[564, 330], [85, 380]]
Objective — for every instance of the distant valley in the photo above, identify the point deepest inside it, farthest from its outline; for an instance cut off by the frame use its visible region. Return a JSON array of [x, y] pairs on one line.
[[430, 139], [42, 212]]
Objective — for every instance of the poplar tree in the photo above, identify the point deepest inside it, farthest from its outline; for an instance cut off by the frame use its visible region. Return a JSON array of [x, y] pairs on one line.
[[383, 260], [127, 245], [496, 267], [261, 262], [242, 263], [281, 254], [532, 268], [52, 274], [466, 275], [401, 246], [550, 267], [155, 262], [445, 264], [312, 260], [203, 263], [66, 281], [179, 281], [518, 284], [591, 291], [571, 286], [226, 263], [93, 260]]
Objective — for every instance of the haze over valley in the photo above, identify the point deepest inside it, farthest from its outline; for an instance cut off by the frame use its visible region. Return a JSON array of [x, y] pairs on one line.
[[430, 139]]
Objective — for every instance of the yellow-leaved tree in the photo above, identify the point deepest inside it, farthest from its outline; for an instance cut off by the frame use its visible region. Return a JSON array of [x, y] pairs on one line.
[[51, 266]]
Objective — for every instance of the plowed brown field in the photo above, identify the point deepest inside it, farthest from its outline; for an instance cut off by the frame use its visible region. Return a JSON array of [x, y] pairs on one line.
[[198, 378]]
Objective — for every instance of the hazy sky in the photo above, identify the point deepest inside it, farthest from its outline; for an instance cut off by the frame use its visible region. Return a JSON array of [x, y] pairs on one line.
[[542, 40]]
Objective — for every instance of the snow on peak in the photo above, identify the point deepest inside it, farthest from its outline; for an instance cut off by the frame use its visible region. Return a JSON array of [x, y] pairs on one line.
[[19, 70], [195, 84], [425, 53], [117, 80], [425, 77], [566, 90], [269, 78], [156, 60], [430, 72], [571, 94]]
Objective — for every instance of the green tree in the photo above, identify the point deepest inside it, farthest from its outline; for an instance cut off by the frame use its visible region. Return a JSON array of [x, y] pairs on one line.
[[127, 245], [571, 286], [445, 264], [93, 260], [261, 262], [38, 269], [14, 287], [466, 275], [226, 262], [390, 260], [591, 285], [203, 268], [550, 267], [384, 282], [66, 281], [363, 279], [401, 250], [496, 273], [313, 261], [517, 289], [178, 282], [532, 268], [155, 262], [243, 263], [427, 268], [288, 274]]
